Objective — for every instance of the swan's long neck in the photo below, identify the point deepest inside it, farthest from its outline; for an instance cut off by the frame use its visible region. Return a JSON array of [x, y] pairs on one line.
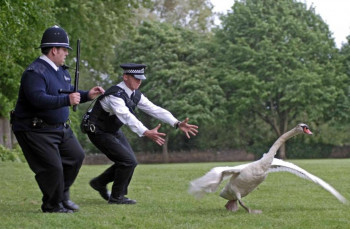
[[281, 140], [266, 160]]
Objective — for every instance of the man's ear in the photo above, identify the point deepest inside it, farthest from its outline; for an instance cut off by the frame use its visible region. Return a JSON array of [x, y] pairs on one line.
[[53, 50], [125, 76]]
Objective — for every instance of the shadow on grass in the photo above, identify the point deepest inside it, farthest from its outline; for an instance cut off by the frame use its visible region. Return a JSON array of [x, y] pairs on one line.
[[290, 209], [212, 211], [94, 201], [15, 208]]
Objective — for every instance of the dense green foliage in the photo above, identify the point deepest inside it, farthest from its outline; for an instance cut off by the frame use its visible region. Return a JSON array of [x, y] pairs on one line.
[[99, 25], [14, 154], [286, 200], [282, 62], [20, 23], [192, 14], [269, 66]]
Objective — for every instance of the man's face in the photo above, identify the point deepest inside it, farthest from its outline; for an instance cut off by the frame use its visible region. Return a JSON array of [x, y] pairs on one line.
[[59, 55], [131, 82]]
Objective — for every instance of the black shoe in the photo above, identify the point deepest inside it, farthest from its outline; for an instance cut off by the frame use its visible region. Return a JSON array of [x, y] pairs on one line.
[[121, 200], [100, 188], [57, 209], [70, 205]]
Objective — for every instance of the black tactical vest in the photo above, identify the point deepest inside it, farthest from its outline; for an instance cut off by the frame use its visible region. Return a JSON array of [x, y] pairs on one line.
[[105, 122]]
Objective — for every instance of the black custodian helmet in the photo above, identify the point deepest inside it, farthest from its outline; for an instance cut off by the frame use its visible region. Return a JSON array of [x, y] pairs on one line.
[[55, 37]]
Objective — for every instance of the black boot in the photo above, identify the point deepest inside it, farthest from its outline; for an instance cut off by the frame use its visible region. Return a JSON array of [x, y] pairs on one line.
[[55, 209], [70, 205], [121, 200], [102, 189]]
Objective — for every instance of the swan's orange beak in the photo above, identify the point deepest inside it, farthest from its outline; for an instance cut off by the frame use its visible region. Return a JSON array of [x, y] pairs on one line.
[[307, 130]]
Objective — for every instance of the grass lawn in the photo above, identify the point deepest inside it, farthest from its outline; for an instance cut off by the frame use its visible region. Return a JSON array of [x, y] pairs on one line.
[[286, 200]]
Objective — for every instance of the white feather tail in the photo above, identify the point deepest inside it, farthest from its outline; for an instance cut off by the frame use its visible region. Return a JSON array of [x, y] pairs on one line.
[[206, 184], [211, 180]]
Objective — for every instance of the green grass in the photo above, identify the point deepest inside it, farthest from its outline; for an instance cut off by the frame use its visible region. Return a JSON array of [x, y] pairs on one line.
[[287, 201]]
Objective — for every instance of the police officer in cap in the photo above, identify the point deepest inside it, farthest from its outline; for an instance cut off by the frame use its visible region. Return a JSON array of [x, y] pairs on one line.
[[41, 125], [113, 110]]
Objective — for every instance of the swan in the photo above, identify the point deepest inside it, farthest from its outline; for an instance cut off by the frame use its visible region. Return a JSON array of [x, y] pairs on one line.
[[246, 177]]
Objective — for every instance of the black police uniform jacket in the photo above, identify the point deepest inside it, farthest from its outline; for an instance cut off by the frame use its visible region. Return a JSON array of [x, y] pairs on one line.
[[105, 122]]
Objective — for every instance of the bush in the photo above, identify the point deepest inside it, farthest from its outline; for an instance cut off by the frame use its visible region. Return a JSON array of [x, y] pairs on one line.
[[295, 150], [14, 154]]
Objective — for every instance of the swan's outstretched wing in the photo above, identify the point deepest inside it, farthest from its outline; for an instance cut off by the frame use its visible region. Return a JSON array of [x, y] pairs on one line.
[[280, 166], [211, 180]]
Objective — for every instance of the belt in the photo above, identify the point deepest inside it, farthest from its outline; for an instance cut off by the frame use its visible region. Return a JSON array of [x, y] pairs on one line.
[[37, 123]]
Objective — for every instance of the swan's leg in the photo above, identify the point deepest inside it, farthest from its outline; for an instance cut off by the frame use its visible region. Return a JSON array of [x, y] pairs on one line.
[[248, 209], [232, 205]]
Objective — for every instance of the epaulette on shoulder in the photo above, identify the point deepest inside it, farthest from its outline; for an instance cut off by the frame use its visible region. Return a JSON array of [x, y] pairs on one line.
[[116, 91], [119, 92], [37, 67], [30, 69]]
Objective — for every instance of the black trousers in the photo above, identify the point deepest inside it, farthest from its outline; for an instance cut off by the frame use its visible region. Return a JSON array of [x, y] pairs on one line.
[[55, 156], [117, 148]]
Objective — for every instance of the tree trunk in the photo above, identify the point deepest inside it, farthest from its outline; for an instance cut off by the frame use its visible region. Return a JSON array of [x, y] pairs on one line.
[[282, 152], [283, 129], [5, 133], [1, 132], [165, 150]]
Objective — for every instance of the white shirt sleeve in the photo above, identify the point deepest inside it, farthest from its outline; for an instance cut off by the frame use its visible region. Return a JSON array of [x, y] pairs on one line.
[[156, 111], [116, 106]]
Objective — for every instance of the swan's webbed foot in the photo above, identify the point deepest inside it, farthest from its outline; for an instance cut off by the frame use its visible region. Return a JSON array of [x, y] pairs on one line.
[[232, 205], [251, 211]]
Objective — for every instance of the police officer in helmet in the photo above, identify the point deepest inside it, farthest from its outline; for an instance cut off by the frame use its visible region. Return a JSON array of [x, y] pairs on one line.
[[41, 125]]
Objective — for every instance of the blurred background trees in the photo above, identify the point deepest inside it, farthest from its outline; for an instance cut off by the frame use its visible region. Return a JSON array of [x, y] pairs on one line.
[[268, 66], [284, 67]]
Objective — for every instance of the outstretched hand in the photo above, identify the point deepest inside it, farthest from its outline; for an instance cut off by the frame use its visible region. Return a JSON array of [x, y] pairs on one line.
[[155, 136], [188, 128]]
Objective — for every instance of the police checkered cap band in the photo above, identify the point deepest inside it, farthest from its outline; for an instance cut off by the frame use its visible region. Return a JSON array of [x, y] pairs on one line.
[[135, 71]]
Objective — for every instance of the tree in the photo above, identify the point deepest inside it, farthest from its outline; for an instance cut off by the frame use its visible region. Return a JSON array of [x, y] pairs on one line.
[[280, 65], [21, 26], [345, 53], [99, 25], [192, 14], [178, 64]]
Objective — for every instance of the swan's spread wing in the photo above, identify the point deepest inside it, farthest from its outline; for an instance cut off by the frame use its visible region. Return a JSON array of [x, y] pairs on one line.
[[279, 166], [211, 180]]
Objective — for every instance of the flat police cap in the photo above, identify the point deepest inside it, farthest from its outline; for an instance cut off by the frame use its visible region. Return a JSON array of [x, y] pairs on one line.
[[137, 70], [55, 37]]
